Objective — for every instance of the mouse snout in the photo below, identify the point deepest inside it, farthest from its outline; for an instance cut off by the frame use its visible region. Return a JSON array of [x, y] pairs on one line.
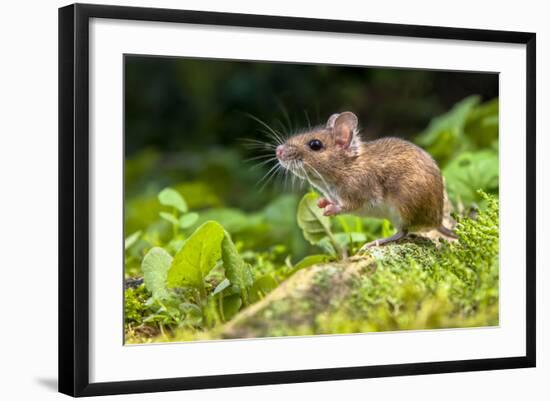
[[287, 153], [280, 151]]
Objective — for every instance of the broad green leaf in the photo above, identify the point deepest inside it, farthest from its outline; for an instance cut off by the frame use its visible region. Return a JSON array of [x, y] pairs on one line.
[[470, 172], [261, 287], [445, 133], [231, 306], [310, 219], [169, 217], [175, 245], [131, 239], [188, 219], [311, 260], [236, 270], [482, 124], [193, 314], [155, 266], [171, 197], [197, 257]]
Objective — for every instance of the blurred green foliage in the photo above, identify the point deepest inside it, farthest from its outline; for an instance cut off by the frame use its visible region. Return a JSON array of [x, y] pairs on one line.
[[464, 141], [179, 104], [208, 240]]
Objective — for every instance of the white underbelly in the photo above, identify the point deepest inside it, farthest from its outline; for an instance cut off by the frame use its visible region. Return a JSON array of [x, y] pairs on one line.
[[382, 210]]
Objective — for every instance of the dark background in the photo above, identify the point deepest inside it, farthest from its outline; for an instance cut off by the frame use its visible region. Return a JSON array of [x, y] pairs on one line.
[[179, 103]]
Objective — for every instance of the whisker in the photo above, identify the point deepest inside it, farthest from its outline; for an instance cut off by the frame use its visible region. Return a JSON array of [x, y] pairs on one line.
[[307, 119], [326, 186], [263, 123], [255, 144], [252, 140], [285, 130], [307, 179], [277, 138], [304, 171], [261, 149], [280, 171], [260, 157], [285, 115], [316, 172], [257, 165], [296, 178], [270, 175], [285, 183], [303, 182]]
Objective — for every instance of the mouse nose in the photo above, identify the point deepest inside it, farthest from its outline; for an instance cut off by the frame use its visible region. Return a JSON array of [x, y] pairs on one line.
[[280, 151]]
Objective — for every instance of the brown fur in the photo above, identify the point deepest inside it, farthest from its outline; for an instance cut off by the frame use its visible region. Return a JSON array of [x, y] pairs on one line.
[[389, 170]]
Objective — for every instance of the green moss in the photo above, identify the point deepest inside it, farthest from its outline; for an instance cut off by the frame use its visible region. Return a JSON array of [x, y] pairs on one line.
[[134, 304], [418, 285]]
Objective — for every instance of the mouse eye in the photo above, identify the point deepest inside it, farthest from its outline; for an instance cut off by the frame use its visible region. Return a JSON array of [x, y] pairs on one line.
[[315, 144]]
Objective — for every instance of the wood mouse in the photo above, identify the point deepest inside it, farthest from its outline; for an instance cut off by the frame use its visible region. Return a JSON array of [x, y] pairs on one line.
[[386, 178]]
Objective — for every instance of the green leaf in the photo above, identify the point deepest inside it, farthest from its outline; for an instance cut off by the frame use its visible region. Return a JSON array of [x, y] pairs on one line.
[[482, 124], [315, 226], [193, 314], [261, 287], [155, 266], [131, 239], [445, 136], [231, 306], [310, 261], [310, 219], [197, 257], [170, 217], [236, 270], [470, 172], [171, 197], [188, 219]]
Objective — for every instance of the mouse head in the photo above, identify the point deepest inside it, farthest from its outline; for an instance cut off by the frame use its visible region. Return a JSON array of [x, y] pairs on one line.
[[321, 153]]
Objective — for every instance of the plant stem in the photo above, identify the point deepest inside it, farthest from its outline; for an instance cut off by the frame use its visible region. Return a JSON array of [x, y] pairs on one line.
[[174, 225], [342, 252]]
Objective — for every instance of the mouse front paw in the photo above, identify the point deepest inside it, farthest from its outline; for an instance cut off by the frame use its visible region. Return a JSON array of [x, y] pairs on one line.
[[332, 209], [323, 202]]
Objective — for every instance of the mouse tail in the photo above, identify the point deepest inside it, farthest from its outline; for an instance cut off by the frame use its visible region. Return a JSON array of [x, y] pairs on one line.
[[445, 231]]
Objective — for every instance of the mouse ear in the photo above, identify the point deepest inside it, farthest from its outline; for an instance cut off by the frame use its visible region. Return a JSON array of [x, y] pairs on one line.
[[345, 127], [331, 120]]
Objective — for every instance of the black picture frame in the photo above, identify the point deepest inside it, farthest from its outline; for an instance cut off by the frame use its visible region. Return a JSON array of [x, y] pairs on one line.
[[74, 198]]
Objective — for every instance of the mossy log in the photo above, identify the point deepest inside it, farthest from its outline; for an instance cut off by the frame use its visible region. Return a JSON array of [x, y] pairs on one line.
[[295, 306]]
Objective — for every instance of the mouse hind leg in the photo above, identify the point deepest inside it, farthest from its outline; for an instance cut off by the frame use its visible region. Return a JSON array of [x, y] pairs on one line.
[[383, 241], [447, 232]]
